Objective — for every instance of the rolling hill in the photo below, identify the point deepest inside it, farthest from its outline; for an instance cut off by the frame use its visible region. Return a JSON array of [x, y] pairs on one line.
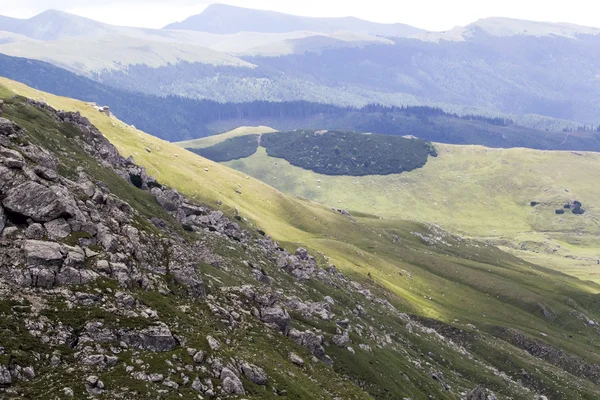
[[226, 19], [476, 315], [473, 190]]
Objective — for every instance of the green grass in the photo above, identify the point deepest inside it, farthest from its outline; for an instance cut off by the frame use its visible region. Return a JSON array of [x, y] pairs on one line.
[[473, 190]]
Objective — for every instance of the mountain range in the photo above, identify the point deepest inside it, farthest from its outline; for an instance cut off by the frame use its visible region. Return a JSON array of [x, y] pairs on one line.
[[226, 19], [539, 74]]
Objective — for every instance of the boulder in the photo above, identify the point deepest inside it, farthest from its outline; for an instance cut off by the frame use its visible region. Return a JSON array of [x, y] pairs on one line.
[[35, 201], [46, 173], [7, 127], [231, 383], [35, 231], [43, 254], [5, 377], [296, 359], [155, 338], [254, 374], [58, 229], [276, 317]]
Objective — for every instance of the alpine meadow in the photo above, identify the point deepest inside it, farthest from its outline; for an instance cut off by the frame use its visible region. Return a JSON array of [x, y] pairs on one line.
[[249, 204]]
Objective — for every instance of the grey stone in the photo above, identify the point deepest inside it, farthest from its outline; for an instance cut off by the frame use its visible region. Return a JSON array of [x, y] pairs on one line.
[[156, 378], [35, 201], [45, 173], [43, 254], [58, 229], [213, 343], [35, 231], [5, 377], [477, 394], [155, 338], [254, 374], [14, 164], [8, 127], [231, 383], [75, 257], [199, 357], [296, 359], [276, 317]]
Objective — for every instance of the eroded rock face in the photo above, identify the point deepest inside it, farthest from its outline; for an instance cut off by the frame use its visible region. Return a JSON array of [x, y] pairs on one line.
[[35, 201]]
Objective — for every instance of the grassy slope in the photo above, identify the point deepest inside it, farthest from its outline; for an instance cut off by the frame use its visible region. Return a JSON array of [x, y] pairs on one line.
[[473, 190], [458, 283], [203, 143]]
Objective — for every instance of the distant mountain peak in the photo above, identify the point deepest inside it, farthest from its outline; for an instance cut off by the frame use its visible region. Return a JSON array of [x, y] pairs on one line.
[[227, 19], [54, 25]]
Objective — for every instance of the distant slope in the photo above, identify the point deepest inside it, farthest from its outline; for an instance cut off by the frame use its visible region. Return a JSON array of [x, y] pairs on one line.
[[115, 52], [208, 141], [477, 191], [500, 27], [225, 19]]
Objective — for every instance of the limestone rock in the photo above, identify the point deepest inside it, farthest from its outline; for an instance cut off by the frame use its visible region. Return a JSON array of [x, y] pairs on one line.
[[35, 201], [57, 229], [155, 338], [254, 374], [231, 383]]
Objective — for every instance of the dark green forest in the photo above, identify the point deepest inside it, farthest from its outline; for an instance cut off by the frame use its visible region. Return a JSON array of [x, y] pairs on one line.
[[348, 153]]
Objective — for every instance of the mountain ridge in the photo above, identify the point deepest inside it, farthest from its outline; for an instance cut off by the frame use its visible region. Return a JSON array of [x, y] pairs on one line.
[[220, 18]]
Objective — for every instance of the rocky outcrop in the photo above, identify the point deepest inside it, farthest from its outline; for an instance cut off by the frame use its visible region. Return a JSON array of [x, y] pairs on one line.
[[34, 201], [156, 338]]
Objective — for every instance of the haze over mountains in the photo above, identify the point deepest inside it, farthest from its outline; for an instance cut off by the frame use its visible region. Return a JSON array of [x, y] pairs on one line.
[[496, 67], [225, 19]]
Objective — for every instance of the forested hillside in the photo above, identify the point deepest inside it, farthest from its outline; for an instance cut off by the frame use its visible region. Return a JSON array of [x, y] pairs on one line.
[[178, 118]]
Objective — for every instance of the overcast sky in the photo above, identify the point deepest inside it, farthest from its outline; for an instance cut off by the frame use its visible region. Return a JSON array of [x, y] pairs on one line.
[[427, 14]]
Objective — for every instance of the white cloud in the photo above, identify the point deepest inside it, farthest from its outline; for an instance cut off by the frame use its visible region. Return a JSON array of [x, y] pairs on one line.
[[428, 14]]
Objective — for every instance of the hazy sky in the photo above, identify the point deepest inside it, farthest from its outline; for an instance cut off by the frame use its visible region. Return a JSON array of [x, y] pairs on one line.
[[427, 14]]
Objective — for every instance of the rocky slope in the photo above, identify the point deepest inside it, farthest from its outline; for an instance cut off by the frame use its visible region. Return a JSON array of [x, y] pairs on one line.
[[113, 285]]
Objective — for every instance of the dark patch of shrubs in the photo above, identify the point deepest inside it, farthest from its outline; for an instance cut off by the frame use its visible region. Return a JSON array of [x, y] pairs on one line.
[[230, 149], [348, 153], [534, 203], [577, 208], [560, 211]]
